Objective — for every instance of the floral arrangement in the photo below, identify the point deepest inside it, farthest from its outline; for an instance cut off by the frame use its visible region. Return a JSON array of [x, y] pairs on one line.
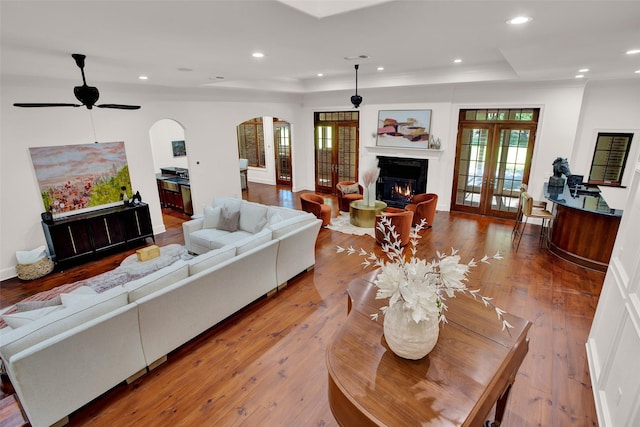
[[423, 287], [370, 176]]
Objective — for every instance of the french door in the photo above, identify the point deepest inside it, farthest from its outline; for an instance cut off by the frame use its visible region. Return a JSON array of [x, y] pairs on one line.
[[492, 162], [336, 149], [282, 142]]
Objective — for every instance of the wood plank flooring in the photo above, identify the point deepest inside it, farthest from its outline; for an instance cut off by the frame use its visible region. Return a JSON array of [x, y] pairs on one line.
[[266, 364]]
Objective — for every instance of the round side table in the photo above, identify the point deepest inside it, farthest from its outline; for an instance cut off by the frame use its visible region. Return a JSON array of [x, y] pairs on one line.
[[363, 215]]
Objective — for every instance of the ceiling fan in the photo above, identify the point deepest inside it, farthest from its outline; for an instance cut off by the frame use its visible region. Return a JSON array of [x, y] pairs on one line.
[[88, 95]]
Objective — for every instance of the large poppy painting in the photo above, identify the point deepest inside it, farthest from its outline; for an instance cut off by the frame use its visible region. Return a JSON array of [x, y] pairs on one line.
[[78, 178], [404, 128]]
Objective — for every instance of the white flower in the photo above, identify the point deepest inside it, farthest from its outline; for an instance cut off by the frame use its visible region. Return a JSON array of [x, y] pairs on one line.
[[420, 286]]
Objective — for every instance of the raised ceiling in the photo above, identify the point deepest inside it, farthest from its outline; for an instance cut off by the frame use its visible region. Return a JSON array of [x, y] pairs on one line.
[[200, 44]]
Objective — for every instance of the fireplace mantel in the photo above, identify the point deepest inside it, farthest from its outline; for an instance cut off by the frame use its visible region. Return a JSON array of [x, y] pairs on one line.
[[409, 153]]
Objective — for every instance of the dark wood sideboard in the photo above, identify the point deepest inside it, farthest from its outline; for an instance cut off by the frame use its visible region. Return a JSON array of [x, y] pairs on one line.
[[93, 233]]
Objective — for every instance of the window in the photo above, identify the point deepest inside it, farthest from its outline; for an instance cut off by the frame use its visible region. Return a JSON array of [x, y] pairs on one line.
[[609, 158]]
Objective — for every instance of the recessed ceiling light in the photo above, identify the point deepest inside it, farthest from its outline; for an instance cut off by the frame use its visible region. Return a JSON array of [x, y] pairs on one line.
[[637, 71], [583, 70], [143, 77], [579, 76], [257, 55], [320, 74], [380, 68], [633, 51], [457, 60], [518, 20]]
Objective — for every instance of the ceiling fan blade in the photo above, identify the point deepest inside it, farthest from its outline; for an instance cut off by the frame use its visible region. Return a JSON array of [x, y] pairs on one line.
[[119, 106], [29, 105]]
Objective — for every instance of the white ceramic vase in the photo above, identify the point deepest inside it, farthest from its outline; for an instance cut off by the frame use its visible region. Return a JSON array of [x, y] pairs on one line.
[[406, 338], [371, 194]]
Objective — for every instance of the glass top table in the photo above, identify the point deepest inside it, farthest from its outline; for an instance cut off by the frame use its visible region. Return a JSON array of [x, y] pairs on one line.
[[363, 215]]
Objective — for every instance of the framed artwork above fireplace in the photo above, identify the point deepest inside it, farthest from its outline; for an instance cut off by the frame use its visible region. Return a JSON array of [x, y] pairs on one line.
[[403, 128]]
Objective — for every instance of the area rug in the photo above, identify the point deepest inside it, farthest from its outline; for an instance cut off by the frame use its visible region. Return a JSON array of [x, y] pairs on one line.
[[341, 223]]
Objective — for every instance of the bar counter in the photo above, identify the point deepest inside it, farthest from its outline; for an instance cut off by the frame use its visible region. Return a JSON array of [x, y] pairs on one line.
[[585, 227]]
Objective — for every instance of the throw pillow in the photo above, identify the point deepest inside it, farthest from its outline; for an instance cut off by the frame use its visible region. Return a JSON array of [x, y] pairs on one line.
[[211, 217], [73, 299], [15, 320], [34, 305], [275, 218], [229, 220], [350, 189]]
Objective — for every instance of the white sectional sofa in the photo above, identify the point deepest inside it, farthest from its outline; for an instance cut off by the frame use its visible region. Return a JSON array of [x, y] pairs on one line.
[[67, 357], [295, 231]]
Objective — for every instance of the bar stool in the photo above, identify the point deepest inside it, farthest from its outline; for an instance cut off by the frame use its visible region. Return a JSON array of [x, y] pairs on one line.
[[536, 204], [529, 211]]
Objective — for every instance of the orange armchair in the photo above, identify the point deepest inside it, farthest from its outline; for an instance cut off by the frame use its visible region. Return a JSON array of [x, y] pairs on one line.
[[423, 206], [346, 195], [314, 204], [401, 221]]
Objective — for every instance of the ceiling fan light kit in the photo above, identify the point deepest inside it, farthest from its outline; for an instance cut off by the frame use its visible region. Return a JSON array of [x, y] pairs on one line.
[[87, 95], [356, 99]]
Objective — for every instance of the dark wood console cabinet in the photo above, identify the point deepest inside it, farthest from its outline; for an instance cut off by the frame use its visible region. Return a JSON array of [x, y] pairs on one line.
[[94, 232]]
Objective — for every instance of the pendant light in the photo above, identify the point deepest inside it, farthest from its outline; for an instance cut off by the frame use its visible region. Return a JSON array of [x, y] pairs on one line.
[[356, 99]]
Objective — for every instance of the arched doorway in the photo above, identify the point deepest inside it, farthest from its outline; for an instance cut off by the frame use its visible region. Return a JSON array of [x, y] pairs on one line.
[[171, 165]]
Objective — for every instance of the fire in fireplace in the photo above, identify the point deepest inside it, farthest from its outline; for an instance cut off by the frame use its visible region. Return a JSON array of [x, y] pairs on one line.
[[399, 189], [400, 179]]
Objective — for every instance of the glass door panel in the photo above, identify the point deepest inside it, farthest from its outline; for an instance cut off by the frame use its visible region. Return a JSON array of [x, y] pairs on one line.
[[324, 158], [282, 137], [471, 170], [336, 149], [347, 153], [492, 162], [510, 167]]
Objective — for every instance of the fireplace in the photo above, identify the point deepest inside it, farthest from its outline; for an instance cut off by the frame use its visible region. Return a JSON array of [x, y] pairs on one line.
[[400, 179]]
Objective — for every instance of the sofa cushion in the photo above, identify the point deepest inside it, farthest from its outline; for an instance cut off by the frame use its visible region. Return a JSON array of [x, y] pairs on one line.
[[210, 259], [157, 280], [253, 217], [286, 226], [60, 321], [34, 305], [21, 318], [283, 213], [229, 220], [211, 216], [223, 238], [253, 241], [74, 299], [230, 202]]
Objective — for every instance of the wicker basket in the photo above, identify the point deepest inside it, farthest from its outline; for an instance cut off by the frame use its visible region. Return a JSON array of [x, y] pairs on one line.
[[36, 270]]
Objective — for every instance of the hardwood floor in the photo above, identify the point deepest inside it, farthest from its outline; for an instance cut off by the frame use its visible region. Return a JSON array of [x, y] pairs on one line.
[[266, 364]]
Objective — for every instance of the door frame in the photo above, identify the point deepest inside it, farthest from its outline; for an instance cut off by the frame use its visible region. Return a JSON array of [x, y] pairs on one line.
[[495, 128]]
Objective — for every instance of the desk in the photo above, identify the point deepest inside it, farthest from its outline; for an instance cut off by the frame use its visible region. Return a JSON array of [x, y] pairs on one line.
[[471, 368], [363, 215], [584, 229]]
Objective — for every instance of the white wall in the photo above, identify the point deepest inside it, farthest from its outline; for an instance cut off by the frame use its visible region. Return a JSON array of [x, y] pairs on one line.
[[210, 130], [161, 134], [609, 106], [560, 110]]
